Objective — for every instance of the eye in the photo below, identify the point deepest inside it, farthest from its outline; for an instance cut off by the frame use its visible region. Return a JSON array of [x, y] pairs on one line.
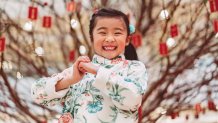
[[117, 33], [102, 33]]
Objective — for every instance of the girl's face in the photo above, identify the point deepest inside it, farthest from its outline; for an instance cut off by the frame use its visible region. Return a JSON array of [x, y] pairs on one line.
[[109, 37]]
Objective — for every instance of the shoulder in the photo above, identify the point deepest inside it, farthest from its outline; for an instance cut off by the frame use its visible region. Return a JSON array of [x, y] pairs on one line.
[[136, 63]]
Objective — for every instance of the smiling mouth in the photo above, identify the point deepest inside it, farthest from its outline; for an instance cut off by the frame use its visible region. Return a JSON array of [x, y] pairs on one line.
[[109, 48]]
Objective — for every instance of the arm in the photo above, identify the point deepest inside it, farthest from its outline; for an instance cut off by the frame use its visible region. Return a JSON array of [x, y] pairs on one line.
[[125, 90], [52, 90], [44, 90]]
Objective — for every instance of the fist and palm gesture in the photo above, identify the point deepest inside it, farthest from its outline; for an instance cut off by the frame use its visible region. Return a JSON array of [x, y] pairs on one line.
[[82, 65]]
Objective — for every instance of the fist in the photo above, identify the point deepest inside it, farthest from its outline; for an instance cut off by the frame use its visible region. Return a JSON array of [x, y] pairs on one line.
[[88, 67]]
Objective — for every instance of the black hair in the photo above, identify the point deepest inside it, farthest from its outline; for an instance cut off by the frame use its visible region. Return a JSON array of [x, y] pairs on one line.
[[130, 52]]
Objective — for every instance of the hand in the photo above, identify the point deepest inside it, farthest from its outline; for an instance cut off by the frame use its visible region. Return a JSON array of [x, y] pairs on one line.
[[88, 67], [78, 73], [76, 77]]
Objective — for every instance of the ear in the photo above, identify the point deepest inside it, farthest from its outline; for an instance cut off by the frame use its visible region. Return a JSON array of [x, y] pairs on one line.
[[128, 39]]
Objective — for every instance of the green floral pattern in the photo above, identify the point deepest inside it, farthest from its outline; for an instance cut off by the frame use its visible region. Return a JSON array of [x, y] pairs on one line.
[[115, 99]]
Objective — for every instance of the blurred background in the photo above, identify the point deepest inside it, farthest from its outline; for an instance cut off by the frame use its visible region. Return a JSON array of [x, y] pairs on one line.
[[177, 40]]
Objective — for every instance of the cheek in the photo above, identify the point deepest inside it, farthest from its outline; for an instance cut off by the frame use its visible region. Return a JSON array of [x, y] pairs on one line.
[[97, 44]]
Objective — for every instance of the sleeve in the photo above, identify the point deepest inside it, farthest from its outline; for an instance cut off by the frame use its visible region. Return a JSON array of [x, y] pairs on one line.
[[125, 90], [43, 91]]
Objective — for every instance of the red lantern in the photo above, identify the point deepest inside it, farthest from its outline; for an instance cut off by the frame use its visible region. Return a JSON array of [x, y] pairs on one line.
[[46, 22], [72, 55], [2, 44], [215, 25], [216, 2], [32, 13], [136, 40], [213, 5], [174, 30], [198, 108], [163, 49], [173, 115], [140, 113], [71, 6], [211, 105]]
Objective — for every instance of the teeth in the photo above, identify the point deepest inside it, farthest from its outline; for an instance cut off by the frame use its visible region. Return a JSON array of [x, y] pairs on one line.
[[109, 48]]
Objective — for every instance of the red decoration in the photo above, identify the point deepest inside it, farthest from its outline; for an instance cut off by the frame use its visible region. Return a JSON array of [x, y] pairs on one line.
[[174, 30], [213, 5], [211, 105], [71, 6], [198, 108], [140, 113], [2, 44], [72, 55], [173, 115], [46, 22], [163, 49], [32, 13], [215, 25], [136, 40]]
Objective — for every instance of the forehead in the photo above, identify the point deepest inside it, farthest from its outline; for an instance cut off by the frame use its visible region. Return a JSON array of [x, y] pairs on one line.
[[110, 22]]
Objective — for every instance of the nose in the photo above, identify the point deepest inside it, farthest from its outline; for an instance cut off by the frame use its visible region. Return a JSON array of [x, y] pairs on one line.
[[109, 38]]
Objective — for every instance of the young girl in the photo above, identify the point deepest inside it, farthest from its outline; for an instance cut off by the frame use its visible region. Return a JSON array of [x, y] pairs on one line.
[[107, 89]]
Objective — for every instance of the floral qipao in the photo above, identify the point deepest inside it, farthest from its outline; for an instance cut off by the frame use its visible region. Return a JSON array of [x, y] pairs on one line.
[[113, 95]]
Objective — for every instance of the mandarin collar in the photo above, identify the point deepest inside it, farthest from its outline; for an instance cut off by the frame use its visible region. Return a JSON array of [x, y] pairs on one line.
[[97, 59]]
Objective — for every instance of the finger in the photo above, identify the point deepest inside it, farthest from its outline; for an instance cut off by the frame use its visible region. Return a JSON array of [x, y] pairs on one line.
[[82, 70], [87, 58]]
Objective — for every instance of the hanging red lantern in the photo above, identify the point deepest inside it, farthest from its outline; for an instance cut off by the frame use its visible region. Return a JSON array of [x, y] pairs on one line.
[[140, 113], [211, 105], [213, 5], [72, 55], [198, 108], [136, 40], [46, 22], [215, 25], [173, 115], [163, 49], [2, 44], [216, 4], [174, 30], [32, 13], [71, 6]]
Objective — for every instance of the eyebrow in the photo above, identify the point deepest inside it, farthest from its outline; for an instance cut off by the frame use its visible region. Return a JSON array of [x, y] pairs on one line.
[[100, 28], [119, 29]]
